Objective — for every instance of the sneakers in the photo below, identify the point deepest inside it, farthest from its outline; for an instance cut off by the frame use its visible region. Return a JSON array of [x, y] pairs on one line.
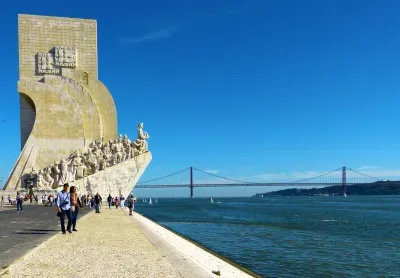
[[75, 230]]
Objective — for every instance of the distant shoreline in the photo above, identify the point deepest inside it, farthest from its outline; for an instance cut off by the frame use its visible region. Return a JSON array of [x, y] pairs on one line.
[[366, 189]]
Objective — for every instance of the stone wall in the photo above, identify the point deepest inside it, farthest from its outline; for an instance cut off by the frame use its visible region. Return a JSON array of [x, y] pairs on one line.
[[40, 34], [116, 180], [63, 106]]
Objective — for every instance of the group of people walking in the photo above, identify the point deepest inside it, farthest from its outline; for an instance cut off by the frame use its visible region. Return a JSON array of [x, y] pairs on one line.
[[68, 205], [120, 202]]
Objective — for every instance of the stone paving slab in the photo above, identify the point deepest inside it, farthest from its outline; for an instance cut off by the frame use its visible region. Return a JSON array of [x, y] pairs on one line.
[[108, 244], [21, 232]]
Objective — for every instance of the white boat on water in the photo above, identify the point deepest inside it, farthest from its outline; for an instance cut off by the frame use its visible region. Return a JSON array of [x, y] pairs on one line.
[[262, 196], [156, 200], [212, 202], [150, 202], [345, 195]]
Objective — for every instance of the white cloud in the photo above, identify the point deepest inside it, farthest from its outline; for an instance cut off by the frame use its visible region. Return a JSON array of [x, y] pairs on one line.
[[212, 171], [368, 168], [382, 173], [167, 32], [162, 33], [288, 176]]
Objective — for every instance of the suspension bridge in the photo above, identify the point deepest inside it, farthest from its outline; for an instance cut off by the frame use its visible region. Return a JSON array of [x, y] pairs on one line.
[[192, 177]]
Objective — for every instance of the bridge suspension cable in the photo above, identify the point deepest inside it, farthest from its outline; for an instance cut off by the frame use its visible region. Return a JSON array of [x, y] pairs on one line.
[[334, 177], [224, 178], [164, 177], [319, 176], [365, 175]]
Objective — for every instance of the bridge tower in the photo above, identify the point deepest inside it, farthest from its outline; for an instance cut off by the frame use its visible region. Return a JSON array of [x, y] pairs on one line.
[[344, 188], [191, 182]]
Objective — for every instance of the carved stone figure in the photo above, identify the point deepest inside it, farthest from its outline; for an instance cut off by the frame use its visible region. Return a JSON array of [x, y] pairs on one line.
[[98, 157], [92, 160], [78, 166], [64, 173], [141, 141], [126, 141], [55, 173], [47, 179], [40, 179]]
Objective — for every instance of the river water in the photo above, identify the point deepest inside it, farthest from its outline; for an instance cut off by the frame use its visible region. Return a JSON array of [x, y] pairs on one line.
[[357, 236]]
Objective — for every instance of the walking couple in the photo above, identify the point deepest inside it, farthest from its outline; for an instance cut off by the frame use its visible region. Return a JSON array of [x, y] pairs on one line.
[[68, 204]]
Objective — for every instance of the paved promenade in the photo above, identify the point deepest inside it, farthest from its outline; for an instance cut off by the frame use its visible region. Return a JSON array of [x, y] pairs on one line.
[[21, 232], [113, 244]]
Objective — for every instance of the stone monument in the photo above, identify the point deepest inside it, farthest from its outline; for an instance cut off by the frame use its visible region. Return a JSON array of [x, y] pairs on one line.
[[68, 116]]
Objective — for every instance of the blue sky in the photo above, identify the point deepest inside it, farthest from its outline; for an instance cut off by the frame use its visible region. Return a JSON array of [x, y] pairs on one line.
[[256, 90]]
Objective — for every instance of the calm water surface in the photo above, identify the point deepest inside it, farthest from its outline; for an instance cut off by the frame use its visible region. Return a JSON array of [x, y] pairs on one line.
[[292, 236]]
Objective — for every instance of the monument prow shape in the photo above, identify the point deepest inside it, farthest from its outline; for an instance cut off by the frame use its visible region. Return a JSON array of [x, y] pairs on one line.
[[65, 111]]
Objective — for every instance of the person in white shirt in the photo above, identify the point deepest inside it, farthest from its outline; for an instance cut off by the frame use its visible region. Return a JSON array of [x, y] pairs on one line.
[[19, 200]]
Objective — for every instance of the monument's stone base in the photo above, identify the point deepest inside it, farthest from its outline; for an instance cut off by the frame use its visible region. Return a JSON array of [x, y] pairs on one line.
[[116, 180], [13, 194]]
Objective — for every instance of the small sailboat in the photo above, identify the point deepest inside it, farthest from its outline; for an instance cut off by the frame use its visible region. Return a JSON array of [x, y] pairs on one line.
[[262, 196], [345, 195], [156, 200], [150, 202], [212, 202]]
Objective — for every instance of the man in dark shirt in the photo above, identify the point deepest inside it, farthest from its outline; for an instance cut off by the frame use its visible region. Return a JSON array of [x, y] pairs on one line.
[[109, 200], [97, 202]]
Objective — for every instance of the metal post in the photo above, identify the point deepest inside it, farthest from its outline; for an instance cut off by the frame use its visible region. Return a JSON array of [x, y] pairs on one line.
[[344, 189], [191, 182]]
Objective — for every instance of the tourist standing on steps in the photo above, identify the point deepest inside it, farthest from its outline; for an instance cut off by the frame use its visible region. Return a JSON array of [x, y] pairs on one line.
[[75, 204], [97, 201], [19, 202], [122, 201], [2, 200], [64, 208], [109, 200]]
